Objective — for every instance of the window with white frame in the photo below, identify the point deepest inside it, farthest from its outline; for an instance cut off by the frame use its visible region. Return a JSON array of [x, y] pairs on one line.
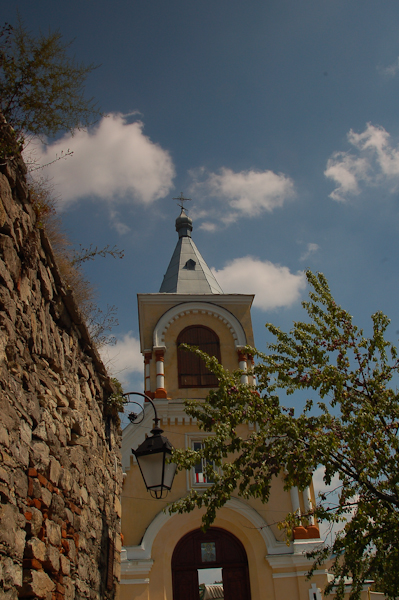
[[197, 476], [199, 470]]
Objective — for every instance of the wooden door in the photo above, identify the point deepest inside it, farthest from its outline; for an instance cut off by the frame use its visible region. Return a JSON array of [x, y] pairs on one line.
[[216, 548], [235, 583]]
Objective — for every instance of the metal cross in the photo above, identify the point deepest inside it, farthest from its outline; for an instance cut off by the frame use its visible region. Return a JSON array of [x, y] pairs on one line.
[[182, 200]]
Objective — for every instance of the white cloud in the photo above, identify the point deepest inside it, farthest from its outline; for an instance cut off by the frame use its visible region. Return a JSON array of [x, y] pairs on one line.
[[244, 194], [112, 161], [273, 285], [376, 163], [117, 224], [208, 226], [390, 70], [328, 532], [124, 358], [311, 249]]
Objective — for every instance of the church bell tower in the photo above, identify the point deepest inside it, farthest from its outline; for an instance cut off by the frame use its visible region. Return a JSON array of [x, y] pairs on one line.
[[165, 555]]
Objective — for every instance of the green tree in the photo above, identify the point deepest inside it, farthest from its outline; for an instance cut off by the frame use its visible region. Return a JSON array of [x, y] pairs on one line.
[[41, 86], [352, 430]]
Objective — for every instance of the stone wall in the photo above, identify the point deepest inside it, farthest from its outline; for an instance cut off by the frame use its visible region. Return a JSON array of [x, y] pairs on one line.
[[60, 472]]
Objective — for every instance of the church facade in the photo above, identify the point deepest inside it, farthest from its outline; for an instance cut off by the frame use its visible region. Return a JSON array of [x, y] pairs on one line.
[[166, 556]]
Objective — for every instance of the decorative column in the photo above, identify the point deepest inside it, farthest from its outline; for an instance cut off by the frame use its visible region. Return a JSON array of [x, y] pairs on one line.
[[159, 357], [300, 532], [242, 364], [312, 528], [147, 378], [252, 362]]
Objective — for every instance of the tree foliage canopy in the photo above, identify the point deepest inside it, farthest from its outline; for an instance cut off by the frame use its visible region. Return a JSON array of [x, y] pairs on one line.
[[41, 86], [352, 431]]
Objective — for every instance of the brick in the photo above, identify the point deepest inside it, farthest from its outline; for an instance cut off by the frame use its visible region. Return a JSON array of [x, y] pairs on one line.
[[65, 545], [32, 473], [30, 485], [32, 563], [28, 515], [42, 479]]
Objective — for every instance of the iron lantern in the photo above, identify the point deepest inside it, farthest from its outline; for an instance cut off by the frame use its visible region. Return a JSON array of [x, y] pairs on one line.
[[153, 457]]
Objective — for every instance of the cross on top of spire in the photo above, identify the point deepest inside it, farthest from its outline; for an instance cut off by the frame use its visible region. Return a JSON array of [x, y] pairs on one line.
[[182, 200]]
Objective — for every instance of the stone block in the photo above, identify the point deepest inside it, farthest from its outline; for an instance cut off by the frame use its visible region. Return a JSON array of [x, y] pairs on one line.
[[10, 256], [35, 549], [4, 476], [58, 505], [40, 456], [47, 497], [36, 584], [11, 573], [12, 538], [52, 559], [47, 288], [84, 495], [4, 437], [66, 480], [36, 521], [5, 276], [118, 507], [35, 489], [20, 483], [69, 588], [40, 432], [53, 532], [65, 565]]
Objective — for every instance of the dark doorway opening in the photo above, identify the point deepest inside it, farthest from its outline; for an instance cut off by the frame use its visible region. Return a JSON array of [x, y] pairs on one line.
[[215, 549]]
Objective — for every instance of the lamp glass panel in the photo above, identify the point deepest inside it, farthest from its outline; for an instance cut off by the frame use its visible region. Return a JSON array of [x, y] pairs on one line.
[[151, 466], [170, 470]]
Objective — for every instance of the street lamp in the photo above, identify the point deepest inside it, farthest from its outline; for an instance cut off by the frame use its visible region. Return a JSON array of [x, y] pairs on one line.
[[152, 455]]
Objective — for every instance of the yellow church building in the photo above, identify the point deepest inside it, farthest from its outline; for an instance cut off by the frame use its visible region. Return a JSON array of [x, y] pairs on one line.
[[166, 556]]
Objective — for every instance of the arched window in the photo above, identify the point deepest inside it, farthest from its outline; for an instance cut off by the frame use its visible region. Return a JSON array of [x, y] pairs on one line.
[[191, 368]]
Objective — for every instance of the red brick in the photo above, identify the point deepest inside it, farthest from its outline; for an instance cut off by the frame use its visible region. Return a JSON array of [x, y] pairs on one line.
[[59, 596], [76, 538], [42, 480], [65, 545], [36, 503], [28, 515], [50, 487], [32, 563], [63, 533], [32, 473], [74, 508], [30, 486]]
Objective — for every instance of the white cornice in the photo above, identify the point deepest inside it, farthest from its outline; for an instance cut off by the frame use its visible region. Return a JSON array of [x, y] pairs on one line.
[[174, 299]]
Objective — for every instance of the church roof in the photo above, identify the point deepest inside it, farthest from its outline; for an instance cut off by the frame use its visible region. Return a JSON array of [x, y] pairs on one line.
[[187, 272]]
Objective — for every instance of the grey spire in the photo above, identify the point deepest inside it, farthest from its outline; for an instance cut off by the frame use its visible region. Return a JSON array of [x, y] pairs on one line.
[[188, 273]]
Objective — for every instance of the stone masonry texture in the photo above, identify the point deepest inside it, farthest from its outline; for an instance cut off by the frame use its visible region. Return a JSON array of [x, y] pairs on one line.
[[60, 471]]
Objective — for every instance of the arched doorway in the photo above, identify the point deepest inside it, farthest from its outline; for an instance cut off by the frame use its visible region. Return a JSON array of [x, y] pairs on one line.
[[216, 548]]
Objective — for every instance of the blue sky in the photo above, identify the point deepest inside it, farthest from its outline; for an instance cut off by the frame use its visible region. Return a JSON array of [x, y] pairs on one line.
[[278, 118]]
